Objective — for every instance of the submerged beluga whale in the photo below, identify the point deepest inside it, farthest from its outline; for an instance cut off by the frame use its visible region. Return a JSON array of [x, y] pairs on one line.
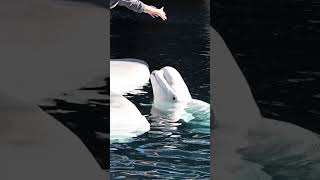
[[126, 121], [46, 49], [246, 145], [171, 98]]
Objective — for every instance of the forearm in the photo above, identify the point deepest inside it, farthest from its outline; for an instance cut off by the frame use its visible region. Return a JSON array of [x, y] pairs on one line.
[[134, 5], [140, 7]]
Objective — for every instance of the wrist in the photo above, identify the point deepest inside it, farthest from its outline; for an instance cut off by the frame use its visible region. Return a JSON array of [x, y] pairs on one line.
[[147, 9]]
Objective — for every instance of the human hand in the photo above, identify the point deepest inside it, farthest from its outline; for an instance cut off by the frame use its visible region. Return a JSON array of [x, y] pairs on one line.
[[155, 12]]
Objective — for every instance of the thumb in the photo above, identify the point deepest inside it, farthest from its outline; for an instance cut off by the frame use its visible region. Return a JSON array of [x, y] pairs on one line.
[[162, 8]]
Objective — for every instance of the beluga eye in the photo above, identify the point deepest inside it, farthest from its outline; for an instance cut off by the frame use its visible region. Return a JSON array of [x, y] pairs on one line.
[[174, 98]]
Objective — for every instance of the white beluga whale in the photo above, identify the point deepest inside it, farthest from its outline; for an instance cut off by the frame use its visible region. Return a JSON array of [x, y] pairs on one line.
[[46, 49], [171, 98], [126, 121], [128, 74], [245, 144]]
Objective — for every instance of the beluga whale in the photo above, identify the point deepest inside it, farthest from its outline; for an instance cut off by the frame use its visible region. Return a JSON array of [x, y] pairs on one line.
[[172, 100], [246, 145], [126, 121]]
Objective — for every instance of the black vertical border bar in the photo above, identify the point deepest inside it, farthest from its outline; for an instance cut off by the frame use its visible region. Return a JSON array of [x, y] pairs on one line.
[[108, 49]]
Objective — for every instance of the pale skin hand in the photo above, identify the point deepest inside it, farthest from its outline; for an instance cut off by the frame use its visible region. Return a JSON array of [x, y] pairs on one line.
[[155, 12]]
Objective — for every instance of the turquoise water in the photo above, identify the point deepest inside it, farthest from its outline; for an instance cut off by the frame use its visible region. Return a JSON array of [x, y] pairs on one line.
[[170, 150]]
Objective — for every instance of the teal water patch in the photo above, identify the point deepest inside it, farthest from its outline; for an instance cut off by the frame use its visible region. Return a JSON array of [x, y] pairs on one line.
[[200, 112]]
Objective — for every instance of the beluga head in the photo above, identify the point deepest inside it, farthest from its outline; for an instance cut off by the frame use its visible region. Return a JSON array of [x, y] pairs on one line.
[[169, 89]]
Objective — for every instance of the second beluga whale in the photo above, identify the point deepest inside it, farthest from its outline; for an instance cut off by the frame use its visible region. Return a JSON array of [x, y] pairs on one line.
[[126, 121]]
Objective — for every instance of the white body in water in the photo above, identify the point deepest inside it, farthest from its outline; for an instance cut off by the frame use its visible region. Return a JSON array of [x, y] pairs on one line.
[[47, 48], [172, 96], [126, 121]]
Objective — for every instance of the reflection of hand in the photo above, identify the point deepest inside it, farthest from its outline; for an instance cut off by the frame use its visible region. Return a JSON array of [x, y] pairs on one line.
[[155, 12]]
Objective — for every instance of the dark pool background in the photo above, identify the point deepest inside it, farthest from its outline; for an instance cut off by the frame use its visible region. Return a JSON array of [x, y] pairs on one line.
[[275, 44], [183, 43]]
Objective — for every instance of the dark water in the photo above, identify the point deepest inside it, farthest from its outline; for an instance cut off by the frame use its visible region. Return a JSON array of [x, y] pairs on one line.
[[275, 44], [166, 151]]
